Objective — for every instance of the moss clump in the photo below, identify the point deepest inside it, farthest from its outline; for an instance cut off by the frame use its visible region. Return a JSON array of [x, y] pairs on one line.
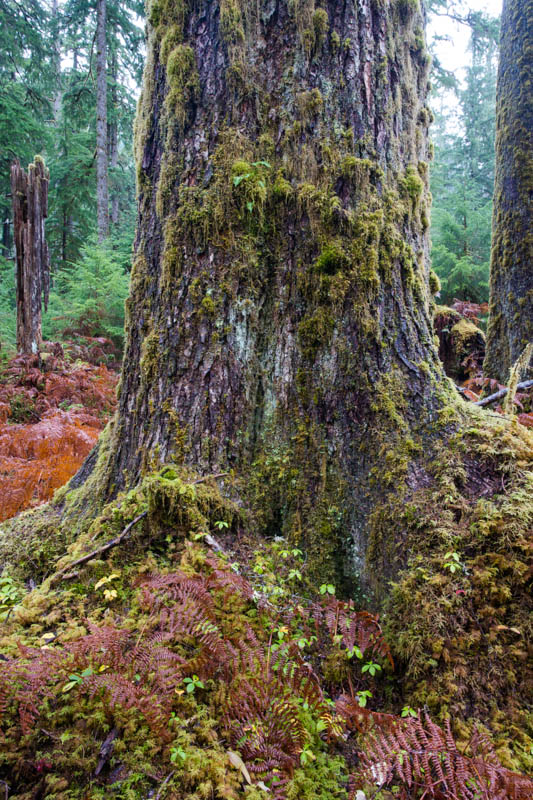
[[434, 283], [182, 78], [412, 185], [282, 188], [310, 103], [320, 26], [331, 259], [315, 332], [231, 23], [209, 306]]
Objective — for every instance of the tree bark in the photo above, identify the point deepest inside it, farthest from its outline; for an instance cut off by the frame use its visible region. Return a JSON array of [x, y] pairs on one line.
[[280, 285], [30, 209], [511, 278], [102, 192]]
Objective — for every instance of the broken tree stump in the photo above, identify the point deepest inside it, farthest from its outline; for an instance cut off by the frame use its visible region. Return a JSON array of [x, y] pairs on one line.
[[30, 209]]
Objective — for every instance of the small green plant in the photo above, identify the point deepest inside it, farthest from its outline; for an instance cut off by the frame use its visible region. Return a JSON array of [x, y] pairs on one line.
[[303, 642], [407, 711], [221, 524], [22, 409], [354, 651], [75, 679], [192, 684], [109, 594], [10, 596], [327, 588], [252, 178], [371, 667], [296, 553], [307, 756], [452, 561], [294, 575], [177, 755], [363, 697]]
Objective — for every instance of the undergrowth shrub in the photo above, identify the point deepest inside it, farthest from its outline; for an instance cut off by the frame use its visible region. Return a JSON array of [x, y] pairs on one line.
[[51, 413], [88, 298]]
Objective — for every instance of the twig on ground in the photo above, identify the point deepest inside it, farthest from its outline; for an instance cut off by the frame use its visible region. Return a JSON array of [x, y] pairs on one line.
[[169, 776], [501, 393], [62, 574]]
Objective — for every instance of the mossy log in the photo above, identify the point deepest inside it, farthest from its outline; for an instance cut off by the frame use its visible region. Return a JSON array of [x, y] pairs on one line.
[[279, 329]]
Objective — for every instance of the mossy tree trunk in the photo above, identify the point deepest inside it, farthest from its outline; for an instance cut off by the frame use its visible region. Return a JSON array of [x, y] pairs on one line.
[[280, 300], [511, 278]]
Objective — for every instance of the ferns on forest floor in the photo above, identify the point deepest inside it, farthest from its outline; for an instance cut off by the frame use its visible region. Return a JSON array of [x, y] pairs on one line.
[[50, 416], [259, 698]]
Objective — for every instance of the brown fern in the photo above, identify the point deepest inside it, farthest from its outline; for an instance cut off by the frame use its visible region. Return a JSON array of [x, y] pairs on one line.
[[356, 628], [423, 760]]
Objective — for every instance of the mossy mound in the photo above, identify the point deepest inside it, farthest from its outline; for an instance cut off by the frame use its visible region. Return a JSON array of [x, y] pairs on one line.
[[459, 612], [121, 677]]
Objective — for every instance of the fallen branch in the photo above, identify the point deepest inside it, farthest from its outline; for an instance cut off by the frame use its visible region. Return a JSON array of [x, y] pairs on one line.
[[169, 776], [65, 575], [62, 574], [210, 477], [501, 393]]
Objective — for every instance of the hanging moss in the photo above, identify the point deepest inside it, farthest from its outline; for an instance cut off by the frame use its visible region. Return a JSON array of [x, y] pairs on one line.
[[320, 26]]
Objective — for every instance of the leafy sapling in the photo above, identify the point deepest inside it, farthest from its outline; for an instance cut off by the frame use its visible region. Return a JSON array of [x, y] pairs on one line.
[[452, 561], [363, 697], [371, 667], [178, 755], [193, 683]]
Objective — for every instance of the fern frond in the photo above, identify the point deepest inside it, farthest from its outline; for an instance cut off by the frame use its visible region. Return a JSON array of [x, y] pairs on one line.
[[423, 759]]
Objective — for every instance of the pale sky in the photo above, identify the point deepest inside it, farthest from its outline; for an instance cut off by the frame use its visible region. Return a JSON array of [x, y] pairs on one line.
[[454, 53]]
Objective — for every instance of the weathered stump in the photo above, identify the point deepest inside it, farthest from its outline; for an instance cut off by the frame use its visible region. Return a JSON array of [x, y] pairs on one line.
[[30, 209]]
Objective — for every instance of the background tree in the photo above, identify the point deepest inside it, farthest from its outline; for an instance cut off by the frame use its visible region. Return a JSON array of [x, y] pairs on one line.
[[511, 290], [24, 82], [102, 193], [463, 171], [60, 110]]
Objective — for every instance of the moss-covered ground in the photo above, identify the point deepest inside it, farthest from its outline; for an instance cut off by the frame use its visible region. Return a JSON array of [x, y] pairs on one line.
[[197, 660]]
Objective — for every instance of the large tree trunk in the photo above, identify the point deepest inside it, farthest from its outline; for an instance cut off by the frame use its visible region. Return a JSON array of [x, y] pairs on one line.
[[102, 192], [30, 209], [511, 278], [280, 287]]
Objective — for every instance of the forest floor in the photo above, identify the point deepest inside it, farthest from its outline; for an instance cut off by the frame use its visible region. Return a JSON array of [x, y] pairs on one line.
[[52, 409]]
